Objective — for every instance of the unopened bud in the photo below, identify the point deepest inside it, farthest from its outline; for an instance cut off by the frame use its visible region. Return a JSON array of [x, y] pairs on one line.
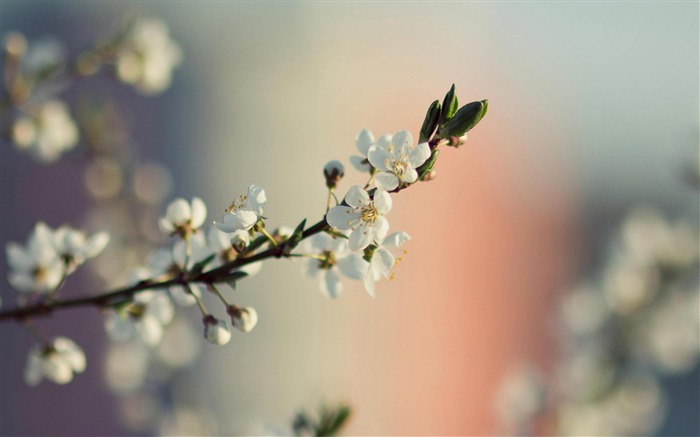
[[334, 172], [244, 319], [457, 141], [216, 331], [431, 175], [240, 241]]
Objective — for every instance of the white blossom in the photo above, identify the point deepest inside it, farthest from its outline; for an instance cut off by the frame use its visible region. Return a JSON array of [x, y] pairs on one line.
[[243, 318], [336, 260], [75, 247], [47, 133], [364, 216], [244, 212], [183, 218], [36, 267], [397, 160], [383, 260], [56, 362], [216, 331], [147, 56]]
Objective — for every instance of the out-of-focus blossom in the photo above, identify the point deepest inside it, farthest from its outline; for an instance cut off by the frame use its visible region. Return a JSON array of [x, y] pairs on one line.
[[584, 310], [126, 366], [46, 134], [383, 260], [216, 331], [364, 216], [75, 247], [36, 267], [56, 362], [169, 263], [182, 218], [147, 56], [335, 259], [244, 212], [397, 160], [520, 398], [145, 316]]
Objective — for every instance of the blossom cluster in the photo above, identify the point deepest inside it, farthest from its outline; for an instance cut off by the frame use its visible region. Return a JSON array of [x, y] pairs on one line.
[[142, 54], [622, 335]]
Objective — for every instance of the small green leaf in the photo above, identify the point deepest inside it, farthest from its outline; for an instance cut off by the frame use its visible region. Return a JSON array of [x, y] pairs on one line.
[[430, 123], [197, 268], [428, 165], [232, 278], [449, 106], [464, 119], [295, 238], [333, 420]]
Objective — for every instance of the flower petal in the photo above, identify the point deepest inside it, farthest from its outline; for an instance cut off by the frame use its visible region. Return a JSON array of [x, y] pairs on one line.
[[150, 331], [402, 138], [363, 141], [360, 163], [369, 285], [361, 237], [71, 352], [382, 201], [380, 228], [410, 175], [419, 155], [256, 199], [357, 197], [396, 239], [386, 181], [353, 266], [199, 212], [18, 258], [330, 284], [178, 211], [95, 244], [382, 262], [343, 217], [379, 158]]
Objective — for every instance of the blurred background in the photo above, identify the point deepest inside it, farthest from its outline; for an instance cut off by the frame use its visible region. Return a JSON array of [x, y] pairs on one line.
[[593, 110]]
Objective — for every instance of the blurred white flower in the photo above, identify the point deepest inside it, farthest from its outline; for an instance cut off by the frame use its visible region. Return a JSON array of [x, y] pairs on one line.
[[584, 311], [169, 263], [364, 216], [382, 260], [243, 318], [145, 317], [520, 398], [48, 133], [397, 160], [244, 212], [182, 218], [37, 267], [333, 172], [336, 259], [147, 56], [126, 366], [216, 331], [56, 362], [75, 247]]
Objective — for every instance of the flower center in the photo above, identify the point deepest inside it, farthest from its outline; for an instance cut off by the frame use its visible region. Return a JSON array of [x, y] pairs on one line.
[[328, 261], [369, 213], [237, 204], [398, 167]]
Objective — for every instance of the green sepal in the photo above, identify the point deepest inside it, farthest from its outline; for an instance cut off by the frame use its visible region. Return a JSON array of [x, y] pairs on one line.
[[427, 166], [332, 420], [464, 119], [294, 239], [430, 123], [449, 106], [199, 267], [121, 308]]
